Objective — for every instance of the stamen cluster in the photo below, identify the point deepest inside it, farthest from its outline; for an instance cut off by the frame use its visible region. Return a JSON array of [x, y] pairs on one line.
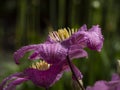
[[62, 34], [41, 65]]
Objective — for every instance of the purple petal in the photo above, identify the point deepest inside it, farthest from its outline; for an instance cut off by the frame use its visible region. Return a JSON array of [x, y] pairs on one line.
[[8, 78], [12, 85], [35, 55], [95, 38], [13, 80], [76, 52], [115, 77], [19, 53], [114, 84], [92, 38], [77, 73], [45, 78], [51, 53], [100, 85], [83, 28], [76, 39]]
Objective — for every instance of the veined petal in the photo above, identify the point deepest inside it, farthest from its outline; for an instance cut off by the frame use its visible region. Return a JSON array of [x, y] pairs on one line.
[[8, 78], [76, 52], [20, 53], [45, 78], [12, 81], [76, 39], [51, 53], [92, 38]]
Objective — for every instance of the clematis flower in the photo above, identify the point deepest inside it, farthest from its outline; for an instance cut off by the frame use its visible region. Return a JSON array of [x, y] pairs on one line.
[[114, 84], [80, 38], [43, 73]]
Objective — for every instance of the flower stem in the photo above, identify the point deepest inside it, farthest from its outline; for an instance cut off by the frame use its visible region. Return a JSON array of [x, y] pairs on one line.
[[70, 65]]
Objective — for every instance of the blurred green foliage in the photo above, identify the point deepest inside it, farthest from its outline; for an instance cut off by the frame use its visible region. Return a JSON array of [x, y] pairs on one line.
[[24, 22]]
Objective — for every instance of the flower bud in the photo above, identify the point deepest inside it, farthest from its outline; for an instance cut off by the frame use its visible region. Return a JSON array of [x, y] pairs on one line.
[[118, 66]]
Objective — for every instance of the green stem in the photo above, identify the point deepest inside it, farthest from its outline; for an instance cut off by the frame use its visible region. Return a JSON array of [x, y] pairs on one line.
[[70, 65]]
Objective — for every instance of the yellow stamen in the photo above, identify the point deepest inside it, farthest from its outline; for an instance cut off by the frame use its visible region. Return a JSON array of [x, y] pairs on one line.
[[42, 65], [62, 34]]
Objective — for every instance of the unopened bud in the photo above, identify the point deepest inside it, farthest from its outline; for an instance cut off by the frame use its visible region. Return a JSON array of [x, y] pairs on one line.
[[118, 66]]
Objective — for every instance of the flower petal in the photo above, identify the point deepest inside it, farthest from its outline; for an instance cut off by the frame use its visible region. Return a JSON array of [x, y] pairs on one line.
[[92, 38], [77, 73], [99, 85], [34, 56], [76, 52], [83, 28], [115, 77], [114, 84], [76, 39], [95, 38], [13, 84], [10, 82], [51, 53], [19, 53], [45, 78]]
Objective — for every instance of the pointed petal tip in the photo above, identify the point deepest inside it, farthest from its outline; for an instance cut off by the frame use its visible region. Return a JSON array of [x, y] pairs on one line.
[[83, 28]]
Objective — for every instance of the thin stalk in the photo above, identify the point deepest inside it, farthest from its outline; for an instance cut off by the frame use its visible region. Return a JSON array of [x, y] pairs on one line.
[[70, 65]]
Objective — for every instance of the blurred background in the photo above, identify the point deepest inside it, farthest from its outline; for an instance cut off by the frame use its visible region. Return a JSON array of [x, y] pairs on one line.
[[24, 22]]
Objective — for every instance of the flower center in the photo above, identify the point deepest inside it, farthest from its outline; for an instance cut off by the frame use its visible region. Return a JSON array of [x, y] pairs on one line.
[[61, 34], [41, 65]]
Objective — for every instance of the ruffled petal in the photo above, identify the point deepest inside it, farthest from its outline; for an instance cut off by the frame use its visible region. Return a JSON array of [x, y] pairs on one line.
[[76, 52], [95, 38], [45, 78], [51, 53], [20, 52], [12, 81], [92, 38]]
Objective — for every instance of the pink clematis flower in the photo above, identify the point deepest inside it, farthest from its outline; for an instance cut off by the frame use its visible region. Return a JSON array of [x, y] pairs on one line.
[[76, 40], [42, 73]]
